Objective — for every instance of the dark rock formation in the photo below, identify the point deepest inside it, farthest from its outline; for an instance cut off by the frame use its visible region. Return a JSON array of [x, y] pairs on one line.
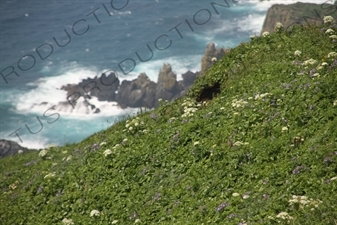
[[137, 93], [8, 148], [298, 13], [210, 53], [103, 87]]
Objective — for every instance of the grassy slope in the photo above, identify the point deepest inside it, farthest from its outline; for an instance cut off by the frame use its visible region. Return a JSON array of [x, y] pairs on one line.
[[183, 170]]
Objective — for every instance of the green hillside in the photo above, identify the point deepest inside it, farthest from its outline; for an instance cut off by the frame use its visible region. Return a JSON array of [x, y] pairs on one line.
[[253, 142]]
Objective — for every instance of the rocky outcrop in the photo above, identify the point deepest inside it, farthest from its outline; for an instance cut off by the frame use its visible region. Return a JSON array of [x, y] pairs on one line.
[[137, 93], [8, 148], [298, 13], [210, 53]]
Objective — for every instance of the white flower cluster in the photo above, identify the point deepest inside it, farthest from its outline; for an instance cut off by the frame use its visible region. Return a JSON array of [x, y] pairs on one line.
[[284, 216], [67, 221], [303, 201], [238, 103], [214, 59], [43, 153], [189, 107], [20, 151], [133, 125], [309, 61], [329, 31], [279, 27], [252, 37], [68, 158], [297, 53], [328, 19], [239, 143], [49, 175], [107, 152], [261, 96], [94, 213], [265, 34], [333, 36], [332, 54]]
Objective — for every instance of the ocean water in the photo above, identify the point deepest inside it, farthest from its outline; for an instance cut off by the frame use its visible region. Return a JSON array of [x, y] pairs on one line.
[[47, 44]]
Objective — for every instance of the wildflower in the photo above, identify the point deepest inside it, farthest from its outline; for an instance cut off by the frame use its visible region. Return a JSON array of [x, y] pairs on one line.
[[265, 34], [159, 100], [284, 216], [137, 220], [222, 108], [315, 75], [235, 194], [49, 175], [309, 61], [278, 27], [297, 53], [125, 140], [333, 36], [69, 158], [334, 178], [328, 19], [94, 213], [324, 64], [67, 221], [103, 143], [20, 151], [245, 196], [114, 222], [329, 31], [284, 129], [195, 143], [332, 54], [214, 59], [107, 152], [335, 103], [252, 37], [43, 153], [130, 128]]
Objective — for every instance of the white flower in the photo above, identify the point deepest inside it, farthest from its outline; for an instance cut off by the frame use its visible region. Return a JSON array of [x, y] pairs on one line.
[[69, 158], [334, 178], [125, 140], [107, 152], [137, 220], [214, 59], [315, 75], [114, 222], [20, 151], [195, 143], [235, 194], [159, 100], [333, 36], [297, 53], [309, 61], [245, 196], [136, 124], [335, 103], [332, 54], [49, 175], [329, 31], [284, 129], [328, 19], [103, 143], [284, 216], [94, 213], [252, 37], [43, 153], [324, 64], [222, 108], [265, 34], [67, 221], [279, 26], [130, 128]]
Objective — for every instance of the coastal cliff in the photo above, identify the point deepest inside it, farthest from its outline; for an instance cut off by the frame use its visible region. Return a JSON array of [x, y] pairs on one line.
[[298, 13]]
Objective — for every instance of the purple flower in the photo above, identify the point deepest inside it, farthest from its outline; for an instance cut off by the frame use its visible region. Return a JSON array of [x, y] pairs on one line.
[[221, 206], [156, 197], [153, 116], [40, 189]]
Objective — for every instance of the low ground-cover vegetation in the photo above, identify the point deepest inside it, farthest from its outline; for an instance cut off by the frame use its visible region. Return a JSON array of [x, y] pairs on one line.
[[259, 147]]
